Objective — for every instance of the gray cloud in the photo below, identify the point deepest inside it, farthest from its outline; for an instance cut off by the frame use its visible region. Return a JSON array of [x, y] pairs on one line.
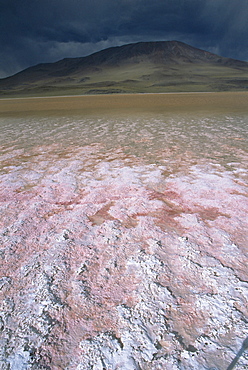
[[35, 31]]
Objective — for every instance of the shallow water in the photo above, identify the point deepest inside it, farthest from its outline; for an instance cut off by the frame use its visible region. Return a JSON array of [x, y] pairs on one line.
[[152, 195]]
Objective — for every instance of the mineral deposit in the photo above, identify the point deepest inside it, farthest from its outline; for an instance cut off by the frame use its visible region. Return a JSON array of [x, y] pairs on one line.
[[110, 261]]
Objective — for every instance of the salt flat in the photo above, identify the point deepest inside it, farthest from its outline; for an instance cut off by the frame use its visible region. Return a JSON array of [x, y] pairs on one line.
[[124, 231]]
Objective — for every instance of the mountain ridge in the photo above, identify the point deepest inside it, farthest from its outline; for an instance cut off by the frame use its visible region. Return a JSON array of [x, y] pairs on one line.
[[159, 66]]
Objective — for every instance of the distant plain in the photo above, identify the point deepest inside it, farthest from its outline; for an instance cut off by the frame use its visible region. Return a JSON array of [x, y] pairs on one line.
[[174, 102]]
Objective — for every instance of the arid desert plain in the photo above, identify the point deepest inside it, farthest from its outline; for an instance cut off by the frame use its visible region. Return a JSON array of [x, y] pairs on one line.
[[123, 231]]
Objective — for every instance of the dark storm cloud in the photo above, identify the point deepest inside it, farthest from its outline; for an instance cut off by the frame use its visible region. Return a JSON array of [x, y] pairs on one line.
[[34, 31]]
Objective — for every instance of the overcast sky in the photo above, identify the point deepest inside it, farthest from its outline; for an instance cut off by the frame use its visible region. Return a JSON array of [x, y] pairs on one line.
[[38, 31]]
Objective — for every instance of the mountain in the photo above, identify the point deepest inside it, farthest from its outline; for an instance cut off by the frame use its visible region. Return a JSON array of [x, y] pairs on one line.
[[164, 66]]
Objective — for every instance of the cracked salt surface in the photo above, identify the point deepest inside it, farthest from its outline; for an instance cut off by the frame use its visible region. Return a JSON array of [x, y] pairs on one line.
[[124, 243]]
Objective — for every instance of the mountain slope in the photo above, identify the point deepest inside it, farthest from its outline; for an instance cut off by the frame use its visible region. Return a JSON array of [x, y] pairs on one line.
[[163, 66]]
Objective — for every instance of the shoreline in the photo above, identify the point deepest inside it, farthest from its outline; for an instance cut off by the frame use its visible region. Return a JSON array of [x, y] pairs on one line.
[[128, 94]]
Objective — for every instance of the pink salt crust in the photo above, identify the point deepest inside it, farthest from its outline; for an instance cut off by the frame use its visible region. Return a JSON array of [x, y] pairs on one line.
[[85, 240]]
